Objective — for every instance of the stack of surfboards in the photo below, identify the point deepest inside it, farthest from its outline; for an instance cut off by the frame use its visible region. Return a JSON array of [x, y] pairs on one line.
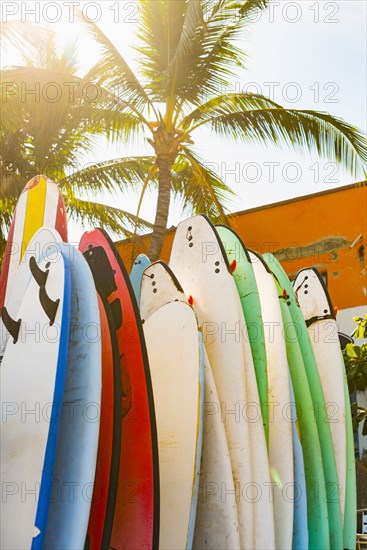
[[197, 404], [79, 454], [277, 448]]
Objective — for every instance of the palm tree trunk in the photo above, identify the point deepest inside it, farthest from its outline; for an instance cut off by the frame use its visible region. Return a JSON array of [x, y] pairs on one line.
[[161, 217]]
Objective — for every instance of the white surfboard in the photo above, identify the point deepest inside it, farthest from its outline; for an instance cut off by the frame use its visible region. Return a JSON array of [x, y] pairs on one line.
[[40, 246], [39, 204], [280, 426], [323, 330], [79, 427], [159, 286], [198, 260], [172, 341], [32, 387], [216, 525]]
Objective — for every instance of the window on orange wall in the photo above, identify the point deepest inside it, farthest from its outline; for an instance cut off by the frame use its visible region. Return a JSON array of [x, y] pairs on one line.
[[324, 276]]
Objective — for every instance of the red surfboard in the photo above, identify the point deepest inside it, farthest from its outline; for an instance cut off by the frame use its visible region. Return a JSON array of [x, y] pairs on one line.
[[39, 204], [109, 443], [136, 515]]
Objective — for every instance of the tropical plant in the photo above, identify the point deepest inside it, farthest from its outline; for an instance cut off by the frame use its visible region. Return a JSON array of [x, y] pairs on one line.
[[39, 134], [355, 359], [188, 54]]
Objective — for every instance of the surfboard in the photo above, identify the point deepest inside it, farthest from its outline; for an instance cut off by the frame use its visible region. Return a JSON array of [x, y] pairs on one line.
[[136, 515], [199, 262], [280, 427], [318, 311], [216, 524], [300, 529], [40, 204], [32, 384], [350, 509], [79, 425], [323, 331], [243, 274], [159, 287], [141, 262], [317, 512], [39, 247], [317, 395], [104, 490], [177, 370]]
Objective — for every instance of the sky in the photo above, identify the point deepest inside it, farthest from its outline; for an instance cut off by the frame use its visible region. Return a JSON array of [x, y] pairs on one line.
[[304, 55]]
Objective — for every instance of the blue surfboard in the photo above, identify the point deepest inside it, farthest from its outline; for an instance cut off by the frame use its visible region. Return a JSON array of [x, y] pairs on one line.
[[79, 428], [141, 262], [300, 530]]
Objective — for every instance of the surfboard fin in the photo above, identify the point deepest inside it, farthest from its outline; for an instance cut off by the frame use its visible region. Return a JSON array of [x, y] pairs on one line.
[[116, 312], [39, 275], [49, 306], [344, 340], [12, 326], [103, 274]]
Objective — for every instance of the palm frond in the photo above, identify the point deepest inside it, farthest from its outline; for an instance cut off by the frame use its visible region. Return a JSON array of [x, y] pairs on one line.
[[121, 174], [192, 19], [225, 104], [221, 56], [7, 207], [113, 71], [189, 48], [257, 120], [168, 31], [13, 35], [200, 189], [110, 218], [56, 133]]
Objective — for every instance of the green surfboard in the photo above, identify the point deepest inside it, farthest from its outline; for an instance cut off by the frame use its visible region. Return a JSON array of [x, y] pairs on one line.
[[320, 409], [317, 512], [244, 277], [350, 513]]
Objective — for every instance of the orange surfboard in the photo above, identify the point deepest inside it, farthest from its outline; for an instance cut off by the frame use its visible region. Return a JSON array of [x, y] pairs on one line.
[[105, 483], [136, 515]]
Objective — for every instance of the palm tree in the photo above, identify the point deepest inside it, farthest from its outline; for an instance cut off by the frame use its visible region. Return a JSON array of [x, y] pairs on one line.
[[41, 135], [188, 52]]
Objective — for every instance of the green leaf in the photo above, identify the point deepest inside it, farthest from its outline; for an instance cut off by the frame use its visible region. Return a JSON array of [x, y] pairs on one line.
[[354, 407], [351, 350], [361, 329]]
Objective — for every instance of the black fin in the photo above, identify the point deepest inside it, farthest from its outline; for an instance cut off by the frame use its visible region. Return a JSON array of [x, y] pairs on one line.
[[49, 306], [103, 274], [39, 276], [345, 339], [116, 312], [12, 326]]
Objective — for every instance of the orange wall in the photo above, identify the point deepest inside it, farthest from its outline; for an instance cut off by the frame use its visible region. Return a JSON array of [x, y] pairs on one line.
[[312, 231]]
